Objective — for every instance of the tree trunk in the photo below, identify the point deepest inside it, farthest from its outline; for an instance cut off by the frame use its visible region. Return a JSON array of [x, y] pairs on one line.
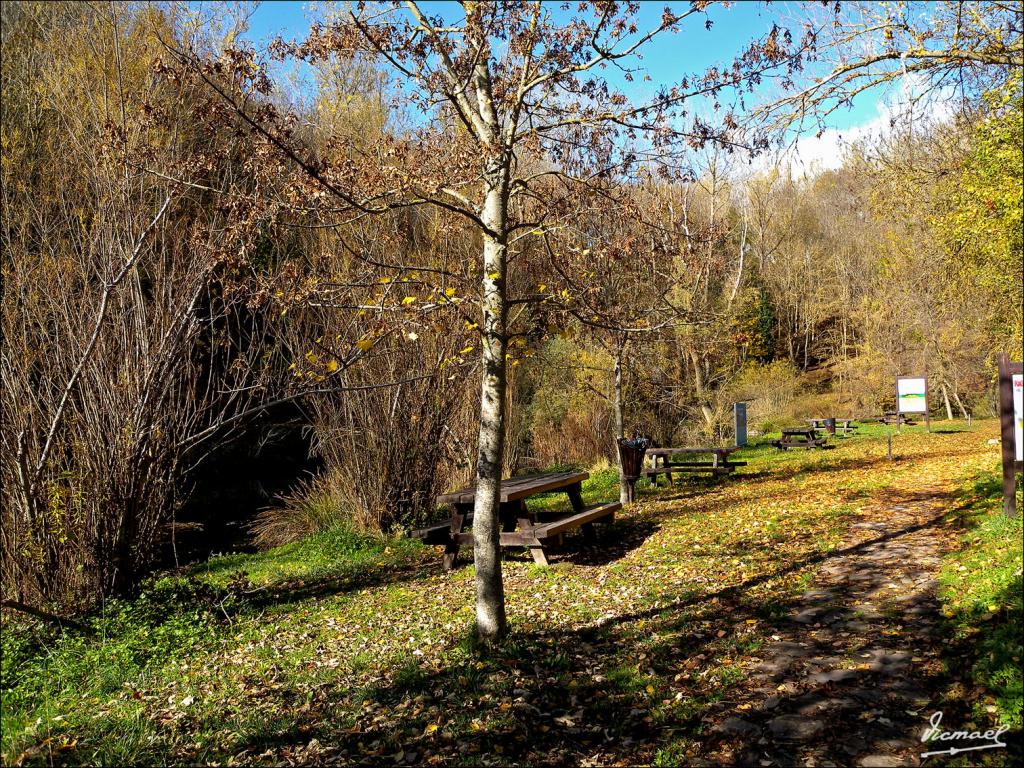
[[960, 404], [490, 593], [620, 429], [698, 386], [945, 401]]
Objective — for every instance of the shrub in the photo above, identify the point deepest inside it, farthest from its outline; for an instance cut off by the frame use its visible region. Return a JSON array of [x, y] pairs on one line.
[[314, 506]]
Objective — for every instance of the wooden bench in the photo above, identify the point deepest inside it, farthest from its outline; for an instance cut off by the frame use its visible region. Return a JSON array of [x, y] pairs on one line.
[[898, 419], [672, 469], [841, 426], [535, 530], [718, 466], [439, 533], [584, 519], [799, 437]]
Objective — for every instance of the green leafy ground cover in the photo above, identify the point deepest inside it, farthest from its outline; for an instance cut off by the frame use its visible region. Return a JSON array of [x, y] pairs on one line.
[[347, 648]]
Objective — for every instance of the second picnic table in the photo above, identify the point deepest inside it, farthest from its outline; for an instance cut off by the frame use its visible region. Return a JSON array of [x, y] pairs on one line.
[[845, 426], [536, 530], [799, 437], [718, 465]]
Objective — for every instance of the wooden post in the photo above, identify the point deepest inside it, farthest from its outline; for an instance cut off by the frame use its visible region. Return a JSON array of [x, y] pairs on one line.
[[927, 406], [890, 443], [1010, 374]]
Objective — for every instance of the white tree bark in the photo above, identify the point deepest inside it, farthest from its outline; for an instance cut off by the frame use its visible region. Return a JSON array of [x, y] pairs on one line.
[[490, 592]]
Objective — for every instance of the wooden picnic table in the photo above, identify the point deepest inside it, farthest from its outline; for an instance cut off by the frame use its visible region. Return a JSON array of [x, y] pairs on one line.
[[841, 425], [892, 417], [718, 465], [535, 530], [799, 437]]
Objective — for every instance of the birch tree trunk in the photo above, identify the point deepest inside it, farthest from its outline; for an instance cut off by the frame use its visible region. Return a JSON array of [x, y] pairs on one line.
[[699, 388], [490, 592], [945, 401], [959, 404]]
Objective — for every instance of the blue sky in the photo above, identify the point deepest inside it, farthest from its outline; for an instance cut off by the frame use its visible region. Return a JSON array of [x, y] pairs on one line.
[[667, 59]]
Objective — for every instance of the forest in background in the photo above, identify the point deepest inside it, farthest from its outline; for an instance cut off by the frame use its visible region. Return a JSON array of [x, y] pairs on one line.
[[176, 283]]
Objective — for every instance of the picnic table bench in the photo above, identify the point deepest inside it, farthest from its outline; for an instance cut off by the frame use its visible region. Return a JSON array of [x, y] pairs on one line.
[[844, 426], [536, 530], [718, 466], [799, 437], [899, 419]]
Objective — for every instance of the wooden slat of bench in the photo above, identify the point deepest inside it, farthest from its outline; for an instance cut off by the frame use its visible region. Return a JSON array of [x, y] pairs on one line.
[[506, 538], [438, 533], [686, 468], [799, 443], [694, 464], [547, 530], [668, 467], [682, 468]]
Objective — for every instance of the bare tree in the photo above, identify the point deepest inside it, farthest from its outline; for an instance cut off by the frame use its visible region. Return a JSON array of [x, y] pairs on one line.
[[962, 47]]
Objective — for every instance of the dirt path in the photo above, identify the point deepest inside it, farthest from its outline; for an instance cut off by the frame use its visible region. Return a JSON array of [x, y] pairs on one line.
[[854, 671]]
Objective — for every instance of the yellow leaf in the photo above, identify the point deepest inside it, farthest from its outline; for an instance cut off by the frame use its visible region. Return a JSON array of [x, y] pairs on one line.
[[408, 300], [465, 350], [449, 292], [650, 689], [432, 727], [365, 344], [332, 366]]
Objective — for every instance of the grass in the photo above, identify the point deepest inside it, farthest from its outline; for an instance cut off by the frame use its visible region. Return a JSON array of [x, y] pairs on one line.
[[981, 595], [347, 647]]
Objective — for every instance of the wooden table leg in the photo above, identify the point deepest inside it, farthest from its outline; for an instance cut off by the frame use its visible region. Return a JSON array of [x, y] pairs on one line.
[[575, 494], [538, 556], [525, 524], [510, 514], [451, 549]]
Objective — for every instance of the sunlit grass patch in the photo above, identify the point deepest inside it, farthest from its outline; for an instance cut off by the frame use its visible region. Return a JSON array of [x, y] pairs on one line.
[[980, 588]]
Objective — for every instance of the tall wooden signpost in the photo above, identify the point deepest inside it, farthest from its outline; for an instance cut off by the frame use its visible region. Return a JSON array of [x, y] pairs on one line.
[[912, 397], [1011, 421]]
